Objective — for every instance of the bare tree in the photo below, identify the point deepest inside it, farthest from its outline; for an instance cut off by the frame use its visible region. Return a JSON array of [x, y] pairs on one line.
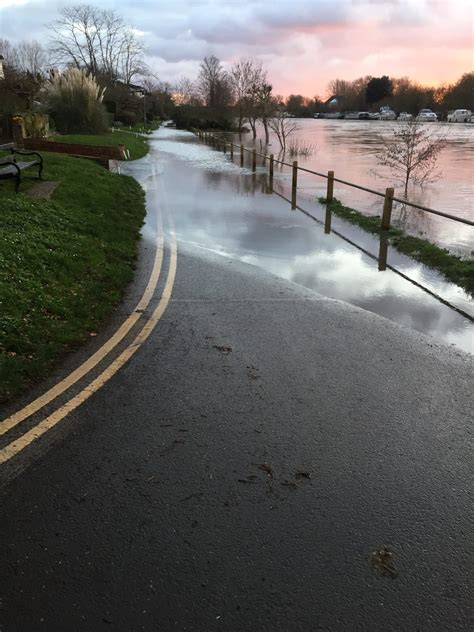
[[9, 54], [130, 59], [283, 126], [186, 92], [264, 104], [411, 153], [98, 41], [32, 57], [244, 75], [213, 83], [24, 66]]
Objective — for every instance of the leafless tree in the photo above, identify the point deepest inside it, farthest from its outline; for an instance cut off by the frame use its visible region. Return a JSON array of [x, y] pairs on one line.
[[32, 57], [186, 92], [24, 73], [9, 54], [412, 152], [283, 126], [213, 83], [264, 104], [244, 75], [98, 41]]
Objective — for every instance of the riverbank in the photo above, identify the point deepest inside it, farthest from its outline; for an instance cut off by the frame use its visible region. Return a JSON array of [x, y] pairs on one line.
[[65, 262], [455, 269]]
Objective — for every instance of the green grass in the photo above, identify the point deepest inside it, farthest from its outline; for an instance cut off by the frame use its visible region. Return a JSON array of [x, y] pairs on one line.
[[64, 264], [136, 145], [455, 269], [139, 127]]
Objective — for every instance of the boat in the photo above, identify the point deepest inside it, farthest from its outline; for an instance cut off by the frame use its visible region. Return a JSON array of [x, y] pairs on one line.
[[405, 116], [387, 114], [426, 115], [460, 116]]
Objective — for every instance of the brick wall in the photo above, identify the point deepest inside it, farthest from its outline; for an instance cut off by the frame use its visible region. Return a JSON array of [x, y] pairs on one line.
[[103, 152]]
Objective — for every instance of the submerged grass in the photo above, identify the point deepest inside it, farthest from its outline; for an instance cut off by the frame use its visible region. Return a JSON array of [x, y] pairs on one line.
[[455, 269], [64, 263]]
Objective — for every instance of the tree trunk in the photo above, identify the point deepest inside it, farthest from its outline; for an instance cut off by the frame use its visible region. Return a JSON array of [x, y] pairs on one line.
[[267, 134], [254, 127]]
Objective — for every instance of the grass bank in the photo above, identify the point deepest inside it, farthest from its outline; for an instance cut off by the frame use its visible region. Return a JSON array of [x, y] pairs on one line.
[[136, 145], [140, 127], [455, 269], [64, 263]]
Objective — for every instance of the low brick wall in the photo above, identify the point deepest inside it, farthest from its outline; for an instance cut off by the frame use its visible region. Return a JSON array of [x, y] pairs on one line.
[[100, 152]]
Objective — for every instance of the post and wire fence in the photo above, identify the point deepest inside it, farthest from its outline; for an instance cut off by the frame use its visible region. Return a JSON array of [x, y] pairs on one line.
[[388, 196]]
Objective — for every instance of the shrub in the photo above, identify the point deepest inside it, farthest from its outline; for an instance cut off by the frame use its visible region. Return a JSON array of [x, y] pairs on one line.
[[75, 102], [298, 147], [36, 125], [127, 117]]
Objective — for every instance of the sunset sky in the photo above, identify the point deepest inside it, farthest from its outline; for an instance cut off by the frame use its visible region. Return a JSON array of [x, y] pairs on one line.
[[303, 43]]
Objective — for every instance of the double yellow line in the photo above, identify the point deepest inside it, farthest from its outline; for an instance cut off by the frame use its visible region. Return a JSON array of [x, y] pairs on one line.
[[60, 413]]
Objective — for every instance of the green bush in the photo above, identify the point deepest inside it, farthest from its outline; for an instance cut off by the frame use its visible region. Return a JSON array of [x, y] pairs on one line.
[[127, 117]]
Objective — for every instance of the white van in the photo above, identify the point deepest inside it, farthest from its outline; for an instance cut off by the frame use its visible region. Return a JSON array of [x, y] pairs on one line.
[[459, 116]]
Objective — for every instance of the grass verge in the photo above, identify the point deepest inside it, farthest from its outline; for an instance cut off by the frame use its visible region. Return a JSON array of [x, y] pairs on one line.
[[136, 145], [455, 269], [140, 127], [64, 264]]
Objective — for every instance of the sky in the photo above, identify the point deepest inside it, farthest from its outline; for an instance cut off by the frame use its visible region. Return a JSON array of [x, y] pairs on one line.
[[302, 43]]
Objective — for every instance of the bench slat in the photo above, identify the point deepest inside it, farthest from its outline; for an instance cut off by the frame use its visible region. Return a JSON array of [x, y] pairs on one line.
[[8, 170]]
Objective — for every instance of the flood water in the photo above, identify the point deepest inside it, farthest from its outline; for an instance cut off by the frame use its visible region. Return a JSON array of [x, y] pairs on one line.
[[218, 206], [350, 148]]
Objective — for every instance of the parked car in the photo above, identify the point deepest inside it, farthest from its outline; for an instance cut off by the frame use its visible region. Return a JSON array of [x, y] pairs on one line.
[[405, 116], [426, 115], [459, 116]]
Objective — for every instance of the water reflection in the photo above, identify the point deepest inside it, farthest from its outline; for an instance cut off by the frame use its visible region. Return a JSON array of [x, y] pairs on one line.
[[230, 211], [350, 148]]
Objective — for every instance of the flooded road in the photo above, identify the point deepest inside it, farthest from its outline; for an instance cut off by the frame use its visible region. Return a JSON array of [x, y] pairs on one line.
[[222, 208], [349, 148]]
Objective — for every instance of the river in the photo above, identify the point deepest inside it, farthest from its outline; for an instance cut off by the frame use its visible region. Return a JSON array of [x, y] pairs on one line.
[[350, 148]]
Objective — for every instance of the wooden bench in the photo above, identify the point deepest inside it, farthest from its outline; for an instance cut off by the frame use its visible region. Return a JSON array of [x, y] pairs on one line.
[[10, 167]]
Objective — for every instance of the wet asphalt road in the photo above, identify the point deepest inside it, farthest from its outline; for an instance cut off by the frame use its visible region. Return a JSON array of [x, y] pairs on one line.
[[179, 498], [237, 473]]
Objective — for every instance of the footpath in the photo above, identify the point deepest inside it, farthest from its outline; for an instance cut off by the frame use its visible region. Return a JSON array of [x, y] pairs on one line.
[[268, 459]]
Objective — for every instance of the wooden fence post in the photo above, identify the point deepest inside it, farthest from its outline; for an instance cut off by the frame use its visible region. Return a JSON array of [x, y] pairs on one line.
[[232, 152], [330, 191], [383, 249], [294, 184], [327, 220], [241, 155], [225, 147], [271, 172], [387, 208], [254, 160]]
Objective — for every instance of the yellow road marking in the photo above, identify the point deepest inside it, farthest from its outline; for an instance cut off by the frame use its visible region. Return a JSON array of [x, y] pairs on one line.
[[52, 420], [59, 388]]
